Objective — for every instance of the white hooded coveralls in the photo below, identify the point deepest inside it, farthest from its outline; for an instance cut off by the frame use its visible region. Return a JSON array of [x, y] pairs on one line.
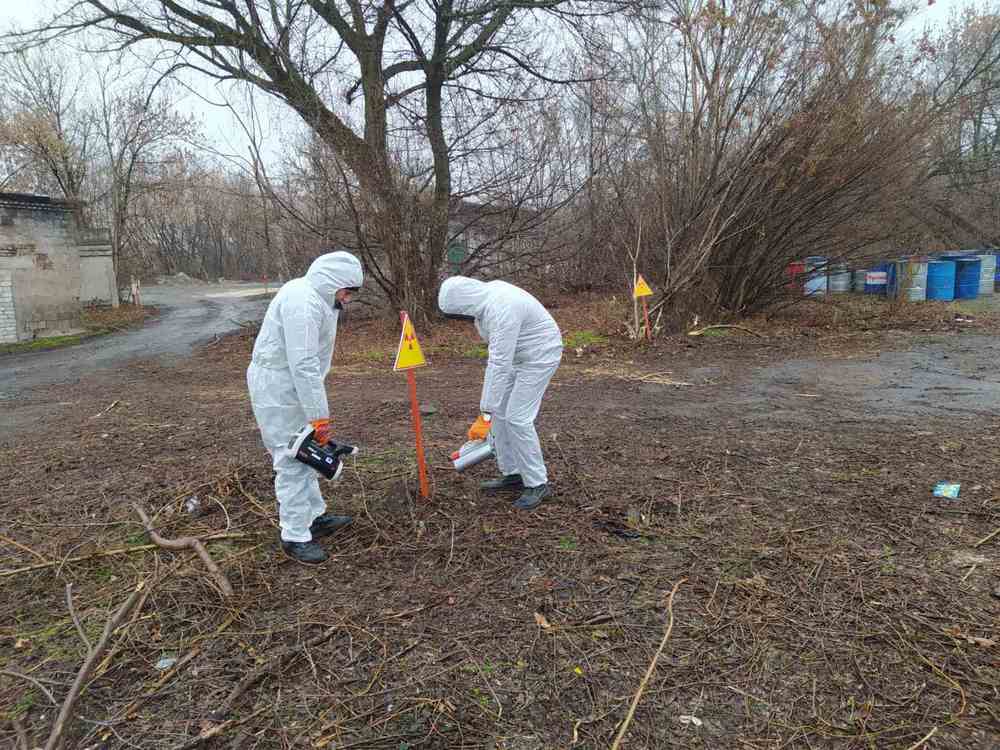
[[525, 348], [291, 358]]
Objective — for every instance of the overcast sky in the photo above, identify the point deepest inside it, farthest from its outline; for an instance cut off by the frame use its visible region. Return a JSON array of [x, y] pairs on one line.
[[224, 130], [220, 126]]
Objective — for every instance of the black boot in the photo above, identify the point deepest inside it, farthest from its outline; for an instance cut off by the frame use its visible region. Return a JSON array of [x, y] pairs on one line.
[[328, 523], [532, 497], [506, 482], [309, 553]]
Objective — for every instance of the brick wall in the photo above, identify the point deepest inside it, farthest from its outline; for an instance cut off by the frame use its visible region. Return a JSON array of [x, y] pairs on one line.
[[8, 321], [38, 249]]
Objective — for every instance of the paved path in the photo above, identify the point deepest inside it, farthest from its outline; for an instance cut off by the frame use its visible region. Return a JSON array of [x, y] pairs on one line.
[[189, 315]]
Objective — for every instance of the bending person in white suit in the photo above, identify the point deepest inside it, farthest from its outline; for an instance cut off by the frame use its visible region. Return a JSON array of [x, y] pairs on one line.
[[525, 348], [291, 358]]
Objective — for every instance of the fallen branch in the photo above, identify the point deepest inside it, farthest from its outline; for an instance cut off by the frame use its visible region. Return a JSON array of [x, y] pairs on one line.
[[76, 620], [218, 729], [33, 681], [15, 543], [923, 740], [986, 538], [105, 411], [700, 331], [211, 730], [277, 660], [22, 734], [133, 707], [649, 671], [94, 655], [108, 553], [187, 542]]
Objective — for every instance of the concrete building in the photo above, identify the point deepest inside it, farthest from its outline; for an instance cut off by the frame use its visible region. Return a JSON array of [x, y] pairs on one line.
[[48, 266]]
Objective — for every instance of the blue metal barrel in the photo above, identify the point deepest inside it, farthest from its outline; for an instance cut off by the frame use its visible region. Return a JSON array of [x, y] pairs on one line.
[[967, 274], [941, 279], [877, 279]]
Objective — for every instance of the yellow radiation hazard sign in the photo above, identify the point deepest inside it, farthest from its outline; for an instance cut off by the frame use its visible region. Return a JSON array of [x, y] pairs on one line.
[[409, 354], [641, 288]]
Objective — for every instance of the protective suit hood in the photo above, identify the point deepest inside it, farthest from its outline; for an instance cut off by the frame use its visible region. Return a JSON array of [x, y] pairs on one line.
[[334, 271], [460, 295]]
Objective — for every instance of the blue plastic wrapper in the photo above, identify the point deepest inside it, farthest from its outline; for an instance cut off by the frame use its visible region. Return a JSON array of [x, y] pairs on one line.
[[947, 489]]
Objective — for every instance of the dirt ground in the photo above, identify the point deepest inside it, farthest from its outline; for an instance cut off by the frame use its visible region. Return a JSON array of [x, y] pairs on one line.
[[826, 599]]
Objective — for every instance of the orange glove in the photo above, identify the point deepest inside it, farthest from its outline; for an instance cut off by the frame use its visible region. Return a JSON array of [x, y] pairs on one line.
[[321, 431], [480, 428]]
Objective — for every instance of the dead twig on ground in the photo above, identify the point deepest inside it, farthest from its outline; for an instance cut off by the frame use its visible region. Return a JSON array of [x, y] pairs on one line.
[[624, 373], [33, 681], [986, 538], [649, 671], [277, 660], [22, 547], [923, 740], [105, 411], [108, 553], [724, 326], [94, 655], [187, 542], [178, 666], [21, 732], [76, 620], [218, 729]]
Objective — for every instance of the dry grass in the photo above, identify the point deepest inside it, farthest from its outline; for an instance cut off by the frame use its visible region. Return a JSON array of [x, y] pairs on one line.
[[104, 319], [830, 601]]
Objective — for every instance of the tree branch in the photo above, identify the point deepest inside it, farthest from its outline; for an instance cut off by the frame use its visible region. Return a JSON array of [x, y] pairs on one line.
[[187, 542], [93, 657]]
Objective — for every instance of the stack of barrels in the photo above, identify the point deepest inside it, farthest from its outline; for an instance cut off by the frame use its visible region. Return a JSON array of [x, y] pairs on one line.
[[946, 276]]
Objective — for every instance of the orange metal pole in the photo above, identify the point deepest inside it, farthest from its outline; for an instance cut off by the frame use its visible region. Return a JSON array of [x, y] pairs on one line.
[[418, 429], [645, 312]]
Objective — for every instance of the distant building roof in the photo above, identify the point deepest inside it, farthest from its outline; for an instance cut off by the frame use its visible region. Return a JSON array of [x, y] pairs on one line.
[[37, 202]]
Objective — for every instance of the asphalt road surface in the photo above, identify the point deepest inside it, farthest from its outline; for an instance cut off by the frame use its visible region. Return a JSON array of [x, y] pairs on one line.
[[189, 315]]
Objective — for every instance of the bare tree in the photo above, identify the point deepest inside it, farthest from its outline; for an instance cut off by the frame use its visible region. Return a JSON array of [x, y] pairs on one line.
[[399, 59], [138, 131], [753, 133], [47, 123], [961, 182]]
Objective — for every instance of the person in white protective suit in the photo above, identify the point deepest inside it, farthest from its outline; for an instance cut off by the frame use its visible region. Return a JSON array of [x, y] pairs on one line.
[[525, 348], [291, 358]]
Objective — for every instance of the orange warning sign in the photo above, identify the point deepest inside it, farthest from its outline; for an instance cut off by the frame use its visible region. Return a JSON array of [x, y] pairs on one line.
[[641, 288], [409, 354]]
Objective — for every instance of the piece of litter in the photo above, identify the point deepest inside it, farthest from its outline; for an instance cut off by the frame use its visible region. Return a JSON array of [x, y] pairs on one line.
[[975, 640], [542, 621], [947, 489], [193, 504], [693, 720], [578, 671], [166, 662]]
